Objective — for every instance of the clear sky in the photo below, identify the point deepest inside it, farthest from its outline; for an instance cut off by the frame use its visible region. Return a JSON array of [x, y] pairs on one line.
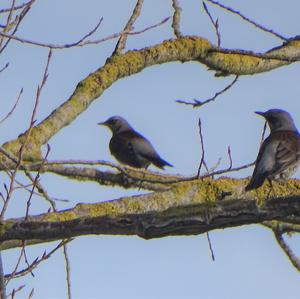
[[249, 263]]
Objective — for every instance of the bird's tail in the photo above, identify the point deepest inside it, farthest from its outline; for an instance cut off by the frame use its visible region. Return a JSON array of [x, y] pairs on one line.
[[159, 162], [255, 182]]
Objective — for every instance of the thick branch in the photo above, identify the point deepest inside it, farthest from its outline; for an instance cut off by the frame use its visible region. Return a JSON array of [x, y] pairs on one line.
[[287, 250], [119, 66], [188, 208]]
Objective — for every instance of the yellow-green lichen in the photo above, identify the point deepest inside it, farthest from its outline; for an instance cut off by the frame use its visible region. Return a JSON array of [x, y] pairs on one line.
[[5, 225], [60, 216], [282, 189]]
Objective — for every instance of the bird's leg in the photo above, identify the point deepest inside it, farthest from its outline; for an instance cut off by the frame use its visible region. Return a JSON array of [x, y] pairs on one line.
[[271, 189], [141, 183]]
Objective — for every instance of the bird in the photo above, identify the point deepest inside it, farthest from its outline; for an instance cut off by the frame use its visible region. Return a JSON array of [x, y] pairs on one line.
[[130, 147], [279, 154]]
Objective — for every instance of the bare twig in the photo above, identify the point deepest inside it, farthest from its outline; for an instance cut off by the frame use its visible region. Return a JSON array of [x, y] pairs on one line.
[[247, 19], [26, 260], [282, 227], [176, 18], [134, 178], [2, 283], [215, 24], [83, 43], [230, 158], [263, 134], [13, 108], [35, 182], [31, 294], [32, 121], [42, 192], [68, 270], [287, 250], [36, 262], [129, 26], [5, 67], [14, 291], [16, 7], [12, 275], [40, 87], [89, 33], [16, 24], [9, 17], [198, 103], [210, 247], [202, 148]]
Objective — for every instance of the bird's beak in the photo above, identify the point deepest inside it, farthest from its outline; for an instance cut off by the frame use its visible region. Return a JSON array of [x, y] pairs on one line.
[[260, 113], [102, 124]]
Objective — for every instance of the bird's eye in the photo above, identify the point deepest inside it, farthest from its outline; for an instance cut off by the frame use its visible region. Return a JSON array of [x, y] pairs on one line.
[[271, 119]]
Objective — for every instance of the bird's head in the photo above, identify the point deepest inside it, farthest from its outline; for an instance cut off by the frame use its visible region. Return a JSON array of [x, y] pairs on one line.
[[116, 124], [278, 120]]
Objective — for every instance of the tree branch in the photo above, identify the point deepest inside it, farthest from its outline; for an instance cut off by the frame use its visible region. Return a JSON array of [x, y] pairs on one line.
[[287, 250], [188, 208], [183, 49], [129, 26]]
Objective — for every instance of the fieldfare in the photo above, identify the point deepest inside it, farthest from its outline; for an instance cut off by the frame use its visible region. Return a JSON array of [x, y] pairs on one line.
[[279, 155], [131, 148]]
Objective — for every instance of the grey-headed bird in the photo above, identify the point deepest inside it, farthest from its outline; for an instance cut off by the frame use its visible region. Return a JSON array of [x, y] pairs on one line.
[[279, 155], [131, 148]]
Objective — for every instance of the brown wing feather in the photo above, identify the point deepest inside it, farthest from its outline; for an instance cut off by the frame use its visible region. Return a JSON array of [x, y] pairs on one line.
[[279, 152]]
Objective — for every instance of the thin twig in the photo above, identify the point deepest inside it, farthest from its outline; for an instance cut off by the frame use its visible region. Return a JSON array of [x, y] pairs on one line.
[[247, 19], [157, 181], [129, 26], [197, 103], [12, 275], [36, 262], [202, 148], [27, 136], [263, 134], [68, 271], [39, 187], [14, 291], [35, 182], [26, 260], [13, 108], [230, 158], [9, 17], [84, 43], [2, 282], [287, 250], [210, 247], [10, 13], [16, 7], [31, 293], [17, 23], [5, 67], [89, 33], [283, 227], [176, 18], [215, 24]]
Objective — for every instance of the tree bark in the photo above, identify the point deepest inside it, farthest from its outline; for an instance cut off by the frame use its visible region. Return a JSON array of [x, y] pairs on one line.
[[188, 208]]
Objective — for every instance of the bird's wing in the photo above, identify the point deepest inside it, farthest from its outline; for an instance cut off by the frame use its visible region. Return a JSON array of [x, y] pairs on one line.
[[143, 148], [132, 148], [278, 152], [265, 161], [287, 152], [122, 147]]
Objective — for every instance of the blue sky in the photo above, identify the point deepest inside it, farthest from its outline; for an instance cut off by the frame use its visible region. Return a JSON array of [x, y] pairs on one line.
[[249, 264]]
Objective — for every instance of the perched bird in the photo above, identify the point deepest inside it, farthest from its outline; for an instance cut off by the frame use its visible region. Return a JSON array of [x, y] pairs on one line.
[[131, 148], [279, 155]]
